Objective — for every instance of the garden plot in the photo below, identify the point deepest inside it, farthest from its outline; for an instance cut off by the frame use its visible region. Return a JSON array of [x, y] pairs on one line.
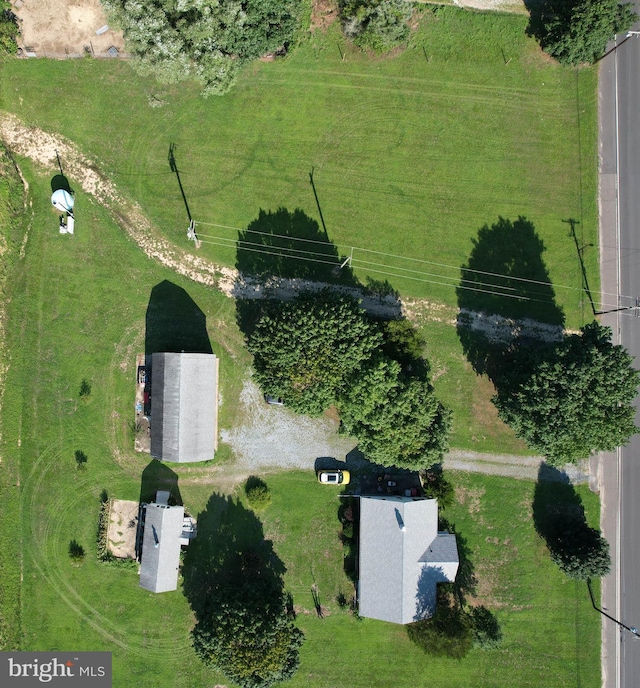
[[123, 527]]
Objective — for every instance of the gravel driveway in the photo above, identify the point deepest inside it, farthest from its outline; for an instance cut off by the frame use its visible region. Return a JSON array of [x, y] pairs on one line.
[[273, 437]]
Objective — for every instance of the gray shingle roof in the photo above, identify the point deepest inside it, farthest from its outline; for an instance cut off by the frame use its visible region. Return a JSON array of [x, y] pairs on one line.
[[183, 406], [402, 557], [160, 558]]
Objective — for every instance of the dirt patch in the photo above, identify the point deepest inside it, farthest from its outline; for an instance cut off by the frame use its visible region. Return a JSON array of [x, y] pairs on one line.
[[471, 497], [123, 526], [143, 427], [323, 14], [513, 6], [65, 28]]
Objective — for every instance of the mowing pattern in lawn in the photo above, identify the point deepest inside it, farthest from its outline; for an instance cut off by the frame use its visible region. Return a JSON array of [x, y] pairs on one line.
[[410, 156]]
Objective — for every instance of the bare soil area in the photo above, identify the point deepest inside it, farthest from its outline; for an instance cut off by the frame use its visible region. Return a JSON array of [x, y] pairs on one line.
[[123, 526], [516, 6], [65, 28]]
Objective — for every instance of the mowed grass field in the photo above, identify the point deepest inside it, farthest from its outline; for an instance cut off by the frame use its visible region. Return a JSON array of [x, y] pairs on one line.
[[411, 155], [77, 311]]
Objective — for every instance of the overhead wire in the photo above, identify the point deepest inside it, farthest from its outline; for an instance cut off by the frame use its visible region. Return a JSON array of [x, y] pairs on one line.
[[486, 287]]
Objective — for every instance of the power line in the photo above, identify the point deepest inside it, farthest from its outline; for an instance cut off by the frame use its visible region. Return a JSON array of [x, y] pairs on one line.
[[279, 255], [400, 272], [392, 255], [388, 255], [390, 274]]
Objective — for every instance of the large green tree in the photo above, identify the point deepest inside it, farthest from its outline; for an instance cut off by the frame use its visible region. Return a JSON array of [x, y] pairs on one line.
[[397, 419], [248, 634], [577, 31], [580, 551], [573, 399], [378, 25], [203, 39], [307, 350]]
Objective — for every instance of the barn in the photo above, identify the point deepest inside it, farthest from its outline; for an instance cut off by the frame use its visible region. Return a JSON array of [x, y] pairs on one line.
[[184, 406]]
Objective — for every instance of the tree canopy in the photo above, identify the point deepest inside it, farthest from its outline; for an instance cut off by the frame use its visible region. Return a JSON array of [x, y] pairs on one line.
[[233, 580], [397, 419], [580, 551], [8, 29], [378, 25], [305, 351], [448, 633], [249, 635], [203, 39], [577, 31], [323, 350], [573, 399]]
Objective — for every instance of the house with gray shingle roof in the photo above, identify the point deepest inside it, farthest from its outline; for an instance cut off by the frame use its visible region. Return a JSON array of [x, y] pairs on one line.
[[402, 558], [165, 529], [184, 406]]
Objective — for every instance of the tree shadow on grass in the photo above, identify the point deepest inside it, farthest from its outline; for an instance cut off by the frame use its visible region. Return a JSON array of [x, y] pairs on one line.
[[540, 11], [290, 245], [579, 550], [349, 517], [174, 322], [59, 181], [229, 552], [555, 504], [504, 280]]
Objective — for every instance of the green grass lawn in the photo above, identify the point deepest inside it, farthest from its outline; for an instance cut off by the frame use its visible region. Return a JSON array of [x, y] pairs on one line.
[[551, 632], [77, 311], [411, 155]]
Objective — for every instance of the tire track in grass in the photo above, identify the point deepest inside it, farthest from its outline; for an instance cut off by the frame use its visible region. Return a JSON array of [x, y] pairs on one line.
[[41, 147], [47, 549]]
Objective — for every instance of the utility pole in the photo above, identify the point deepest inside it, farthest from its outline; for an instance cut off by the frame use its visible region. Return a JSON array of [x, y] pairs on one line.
[[631, 629]]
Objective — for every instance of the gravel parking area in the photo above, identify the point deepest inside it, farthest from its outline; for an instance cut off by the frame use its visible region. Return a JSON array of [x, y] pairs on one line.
[[273, 437]]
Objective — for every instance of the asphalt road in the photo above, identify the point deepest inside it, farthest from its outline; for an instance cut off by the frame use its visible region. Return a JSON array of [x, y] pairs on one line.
[[620, 163], [628, 67]]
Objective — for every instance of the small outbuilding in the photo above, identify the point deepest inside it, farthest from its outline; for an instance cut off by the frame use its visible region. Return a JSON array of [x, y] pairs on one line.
[[165, 529], [184, 406], [402, 558]]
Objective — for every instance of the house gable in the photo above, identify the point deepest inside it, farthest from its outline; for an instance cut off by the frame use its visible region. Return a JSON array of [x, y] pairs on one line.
[[402, 557]]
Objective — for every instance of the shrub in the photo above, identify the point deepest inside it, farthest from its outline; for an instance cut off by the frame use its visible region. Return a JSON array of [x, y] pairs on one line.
[[258, 494], [8, 29], [103, 528], [378, 25], [85, 389], [436, 486], [76, 551]]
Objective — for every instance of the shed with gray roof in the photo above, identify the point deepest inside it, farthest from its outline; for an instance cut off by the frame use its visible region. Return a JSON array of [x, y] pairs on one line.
[[402, 557], [161, 540], [184, 406]]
